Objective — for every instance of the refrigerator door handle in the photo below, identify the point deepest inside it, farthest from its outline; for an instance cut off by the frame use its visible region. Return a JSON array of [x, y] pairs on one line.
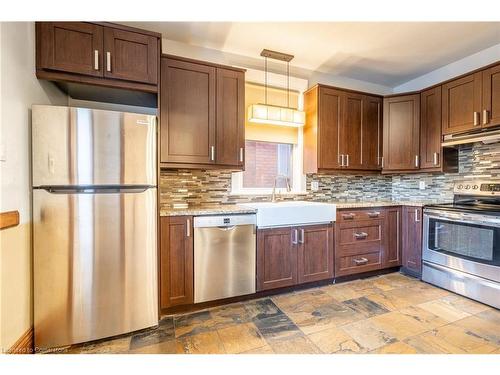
[[96, 190]]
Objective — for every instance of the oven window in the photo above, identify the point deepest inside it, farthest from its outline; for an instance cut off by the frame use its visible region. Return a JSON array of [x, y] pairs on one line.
[[474, 242]]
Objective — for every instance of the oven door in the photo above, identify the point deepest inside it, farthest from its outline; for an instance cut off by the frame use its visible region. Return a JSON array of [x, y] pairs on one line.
[[463, 241]]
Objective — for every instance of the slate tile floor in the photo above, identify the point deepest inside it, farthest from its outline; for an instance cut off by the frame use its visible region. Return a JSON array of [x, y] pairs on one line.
[[385, 314]]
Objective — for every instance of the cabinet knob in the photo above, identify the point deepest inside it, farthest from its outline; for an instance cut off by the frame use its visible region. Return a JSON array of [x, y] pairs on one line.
[[108, 61], [374, 214], [212, 153], [188, 228], [96, 60], [241, 154], [436, 158], [486, 117], [348, 216], [360, 261], [476, 118], [361, 235]]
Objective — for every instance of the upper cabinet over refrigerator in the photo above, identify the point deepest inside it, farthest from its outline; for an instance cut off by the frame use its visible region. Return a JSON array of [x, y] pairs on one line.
[[81, 146]]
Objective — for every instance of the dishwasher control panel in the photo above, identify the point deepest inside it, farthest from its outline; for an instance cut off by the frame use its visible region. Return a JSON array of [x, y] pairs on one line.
[[224, 220]]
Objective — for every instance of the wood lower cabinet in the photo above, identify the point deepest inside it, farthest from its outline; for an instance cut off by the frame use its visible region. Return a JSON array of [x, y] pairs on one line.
[[491, 96], [342, 130], [276, 258], [315, 253], [201, 115], [461, 100], [176, 261], [294, 255], [130, 56], [393, 240], [412, 241], [401, 133]]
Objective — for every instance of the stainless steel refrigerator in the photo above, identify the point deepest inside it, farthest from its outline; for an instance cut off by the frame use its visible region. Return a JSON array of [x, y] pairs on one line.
[[94, 224]]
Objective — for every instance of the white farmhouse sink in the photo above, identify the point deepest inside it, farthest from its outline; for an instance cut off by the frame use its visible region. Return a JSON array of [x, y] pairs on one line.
[[292, 213]]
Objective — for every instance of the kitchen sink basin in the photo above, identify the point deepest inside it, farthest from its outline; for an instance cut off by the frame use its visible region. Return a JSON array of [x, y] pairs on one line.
[[272, 214]]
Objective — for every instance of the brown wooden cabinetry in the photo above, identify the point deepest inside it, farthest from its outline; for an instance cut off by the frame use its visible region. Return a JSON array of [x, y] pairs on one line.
[[401, 133], [392, 253], [462, 104], [294, 255], [342, 130], [412, 240], [176, 261], [201, 114], [101, 54], [491, 96], [430, 129]]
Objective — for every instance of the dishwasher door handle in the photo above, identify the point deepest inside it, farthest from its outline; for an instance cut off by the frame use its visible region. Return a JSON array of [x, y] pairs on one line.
[[231, 227]]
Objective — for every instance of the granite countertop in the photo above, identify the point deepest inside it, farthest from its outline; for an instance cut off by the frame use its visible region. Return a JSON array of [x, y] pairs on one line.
[[221, 209], [207, 210]]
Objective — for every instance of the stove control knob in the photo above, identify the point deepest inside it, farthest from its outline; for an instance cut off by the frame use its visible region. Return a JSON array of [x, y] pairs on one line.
[[475, 187], [460, 187], [467, 187]]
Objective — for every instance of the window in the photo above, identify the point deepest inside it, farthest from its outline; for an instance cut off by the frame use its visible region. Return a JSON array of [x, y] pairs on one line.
[[266, 160]]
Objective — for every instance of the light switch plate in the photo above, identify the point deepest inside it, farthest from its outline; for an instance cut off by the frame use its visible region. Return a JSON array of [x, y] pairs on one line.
[[421, 185], [314, 185]]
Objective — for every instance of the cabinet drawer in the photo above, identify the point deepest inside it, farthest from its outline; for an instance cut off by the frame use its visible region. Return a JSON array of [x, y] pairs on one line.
[[348, 216], [353, 235], [351, 264]]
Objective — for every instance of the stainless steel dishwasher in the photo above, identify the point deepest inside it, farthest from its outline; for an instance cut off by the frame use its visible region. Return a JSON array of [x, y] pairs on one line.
[[224, 256]]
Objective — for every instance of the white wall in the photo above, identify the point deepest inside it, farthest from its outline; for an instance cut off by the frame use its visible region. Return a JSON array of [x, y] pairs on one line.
[[459, 67], [19, 89], [186, 50]]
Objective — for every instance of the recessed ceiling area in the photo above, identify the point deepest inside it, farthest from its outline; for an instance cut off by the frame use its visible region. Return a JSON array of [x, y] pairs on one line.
[[384, 53]]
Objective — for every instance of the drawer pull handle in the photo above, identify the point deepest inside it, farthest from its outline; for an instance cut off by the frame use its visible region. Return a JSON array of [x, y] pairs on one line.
[[348, 216], [374, 214], [360, 261], [361, 235]]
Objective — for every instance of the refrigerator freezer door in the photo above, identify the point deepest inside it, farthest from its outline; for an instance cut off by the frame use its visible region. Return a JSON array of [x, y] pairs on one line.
[[95, 272], [80, 146]]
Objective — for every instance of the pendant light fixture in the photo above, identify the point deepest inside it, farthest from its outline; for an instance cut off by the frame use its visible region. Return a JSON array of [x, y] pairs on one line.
[[272, 114]]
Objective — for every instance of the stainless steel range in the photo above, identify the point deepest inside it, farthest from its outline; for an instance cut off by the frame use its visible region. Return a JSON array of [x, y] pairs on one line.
[[461, 242]]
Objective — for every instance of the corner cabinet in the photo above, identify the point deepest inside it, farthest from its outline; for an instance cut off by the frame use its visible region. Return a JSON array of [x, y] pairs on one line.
[[176, 279], [201, 115], [95, 53], [294, 255], [342, 130], [401, 133]]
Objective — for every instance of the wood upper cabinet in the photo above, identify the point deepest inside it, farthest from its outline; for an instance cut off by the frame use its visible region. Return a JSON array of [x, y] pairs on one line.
[[342, 130], [371, 150], [176, 261], [392, 251], [230, 128], [412, 240], [315, 253], [130, 56], [276, 258], [329, 108], [401, 133], [430, 129], [461, 100], [201, 115], [74, 47], [96, 53], [491, 96], [187, 112]]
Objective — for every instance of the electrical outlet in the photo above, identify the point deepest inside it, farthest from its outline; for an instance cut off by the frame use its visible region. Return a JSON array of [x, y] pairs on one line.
[[314, 185], [421, 185]]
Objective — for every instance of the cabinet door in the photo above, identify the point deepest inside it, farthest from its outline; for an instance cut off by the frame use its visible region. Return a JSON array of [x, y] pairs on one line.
[[330, 117], [315, 253], [412, 240], [187, 112], [176, 261], [371, 145], [430, 128], [392, 250], [276, 258], [73, 47], [491, 96], [351, 130], [230, 133], [462, 104], [402, 132], [130, 56]]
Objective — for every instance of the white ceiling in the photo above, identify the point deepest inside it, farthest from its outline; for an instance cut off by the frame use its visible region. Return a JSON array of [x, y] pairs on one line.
[[379, 52]]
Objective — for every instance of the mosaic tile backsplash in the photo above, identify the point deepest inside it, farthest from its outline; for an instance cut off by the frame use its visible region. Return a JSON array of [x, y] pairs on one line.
[[213, 187]]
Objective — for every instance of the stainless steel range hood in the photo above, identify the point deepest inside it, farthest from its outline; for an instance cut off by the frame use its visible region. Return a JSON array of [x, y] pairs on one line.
[[484, 136]]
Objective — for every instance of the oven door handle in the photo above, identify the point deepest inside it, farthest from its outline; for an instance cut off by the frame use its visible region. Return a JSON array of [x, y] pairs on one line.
[[466, 219]]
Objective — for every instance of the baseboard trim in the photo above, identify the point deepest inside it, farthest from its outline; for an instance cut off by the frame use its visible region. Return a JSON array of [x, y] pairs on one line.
[[24, 345]]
